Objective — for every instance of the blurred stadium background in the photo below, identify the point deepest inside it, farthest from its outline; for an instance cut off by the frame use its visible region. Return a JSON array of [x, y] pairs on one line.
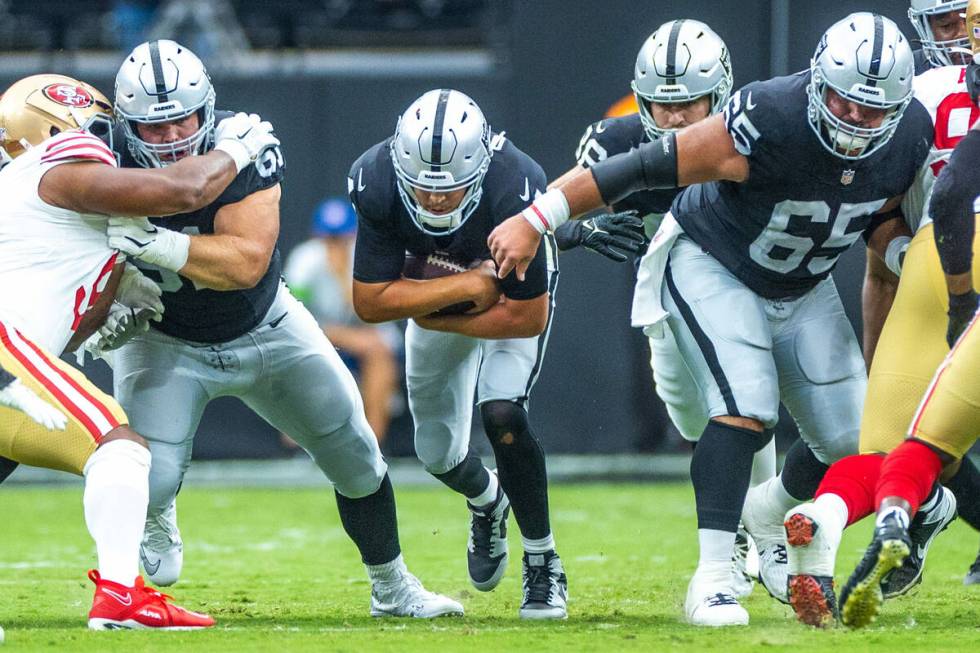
[[332, 75]]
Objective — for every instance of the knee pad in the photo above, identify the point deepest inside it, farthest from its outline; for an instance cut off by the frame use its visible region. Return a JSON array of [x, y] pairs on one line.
[[504, 421], [350, 458]]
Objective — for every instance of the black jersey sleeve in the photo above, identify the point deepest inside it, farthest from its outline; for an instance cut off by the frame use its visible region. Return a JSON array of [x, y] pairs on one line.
[[512, 192], [379, 251], [268, 170], [605, 138]]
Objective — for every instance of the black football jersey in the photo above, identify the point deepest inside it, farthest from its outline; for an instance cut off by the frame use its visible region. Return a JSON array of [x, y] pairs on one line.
[[612, 136], [782, 230], [385, 230], [201, 314]]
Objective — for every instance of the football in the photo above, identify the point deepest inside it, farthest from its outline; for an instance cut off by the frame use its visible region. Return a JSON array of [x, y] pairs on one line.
[[433, 266]]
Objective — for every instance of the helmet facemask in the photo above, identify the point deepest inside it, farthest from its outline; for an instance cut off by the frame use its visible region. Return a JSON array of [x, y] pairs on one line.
[[842, 138], [159, 155], [938, 53]]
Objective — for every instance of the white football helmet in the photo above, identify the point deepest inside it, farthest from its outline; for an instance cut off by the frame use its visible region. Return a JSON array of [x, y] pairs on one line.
[[161, 81], [937, 52], [681, 61], [441, 144], [864, 58]]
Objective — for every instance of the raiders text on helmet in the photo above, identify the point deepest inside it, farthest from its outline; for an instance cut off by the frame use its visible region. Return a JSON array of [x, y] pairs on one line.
[[682, 61], [863, 58], [441, 144], [162, 81], [937, 52], [36, 108]]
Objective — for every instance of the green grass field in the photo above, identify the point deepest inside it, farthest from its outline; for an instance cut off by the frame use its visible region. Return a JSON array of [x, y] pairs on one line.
[[276, 570]]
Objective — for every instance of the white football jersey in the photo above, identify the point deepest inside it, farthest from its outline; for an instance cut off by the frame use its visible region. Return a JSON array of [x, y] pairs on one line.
[[53, 262], [943, 93]]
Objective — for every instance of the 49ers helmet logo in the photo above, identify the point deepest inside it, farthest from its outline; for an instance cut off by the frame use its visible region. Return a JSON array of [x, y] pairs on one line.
[[68, 95]]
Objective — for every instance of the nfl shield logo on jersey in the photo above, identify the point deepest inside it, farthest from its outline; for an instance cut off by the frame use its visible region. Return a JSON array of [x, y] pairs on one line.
[[847, 177]]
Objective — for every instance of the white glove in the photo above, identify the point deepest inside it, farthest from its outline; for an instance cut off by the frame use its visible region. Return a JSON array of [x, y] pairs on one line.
[[122, 325], [244, 137], [139, 238], [18, 396], [138, 291]]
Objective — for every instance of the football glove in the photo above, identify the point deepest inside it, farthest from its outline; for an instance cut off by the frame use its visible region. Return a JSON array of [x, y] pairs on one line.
[[138, 291], [962, 308], [606, 234], [18, 396], [244, 137], [140, 238]]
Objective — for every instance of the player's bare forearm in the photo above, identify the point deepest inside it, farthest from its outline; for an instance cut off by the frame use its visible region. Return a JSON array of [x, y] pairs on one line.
[[190, 184], [409, 298], [877, 296], [958, 284], [96, 315], [509, 318], [237, 255]]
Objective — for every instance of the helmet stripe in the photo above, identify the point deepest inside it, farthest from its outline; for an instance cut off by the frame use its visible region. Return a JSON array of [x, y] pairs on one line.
[[675, 31], [879, 43], [158, 77], [436, 156]]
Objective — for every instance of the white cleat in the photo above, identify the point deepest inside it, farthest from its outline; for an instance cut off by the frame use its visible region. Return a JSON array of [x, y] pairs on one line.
[[162, 550], [405, 597], [713, 604], [745, 556], [766, 529], [813, 536]]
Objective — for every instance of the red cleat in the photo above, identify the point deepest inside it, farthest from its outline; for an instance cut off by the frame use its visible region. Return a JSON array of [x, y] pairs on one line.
[[116, 606]]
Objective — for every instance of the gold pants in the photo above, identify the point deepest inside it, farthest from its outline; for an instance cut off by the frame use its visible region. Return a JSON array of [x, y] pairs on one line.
[[911, 347], [91, 413]]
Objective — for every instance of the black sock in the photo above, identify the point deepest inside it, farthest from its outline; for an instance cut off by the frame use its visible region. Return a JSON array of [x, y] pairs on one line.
[[470, 478], [965, 485], [802, 472], [372, 524], [720, 470], [520, 465]]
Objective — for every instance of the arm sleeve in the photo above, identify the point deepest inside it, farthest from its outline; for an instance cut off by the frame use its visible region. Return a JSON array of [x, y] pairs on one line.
[[953, 205]]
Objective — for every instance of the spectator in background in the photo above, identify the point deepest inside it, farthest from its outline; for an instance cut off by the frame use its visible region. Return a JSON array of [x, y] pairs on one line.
[[319, 273]]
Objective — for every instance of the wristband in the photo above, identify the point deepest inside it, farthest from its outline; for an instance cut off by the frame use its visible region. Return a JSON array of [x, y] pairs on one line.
[[170, 250], [547, 212], [236, 150], [895, 253]]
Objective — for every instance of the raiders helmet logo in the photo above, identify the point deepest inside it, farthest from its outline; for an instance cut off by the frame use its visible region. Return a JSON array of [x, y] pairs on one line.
[[68, 95], [847, 177]]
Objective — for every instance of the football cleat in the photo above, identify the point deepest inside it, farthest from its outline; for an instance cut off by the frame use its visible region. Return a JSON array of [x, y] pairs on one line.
[[486, 550], [162, 550], [117, 607], [811, 552], [766, 529], [923, 529], [405, 597], [973, 575], [545, 587], [741, 578], [713, 604], [862, 597]]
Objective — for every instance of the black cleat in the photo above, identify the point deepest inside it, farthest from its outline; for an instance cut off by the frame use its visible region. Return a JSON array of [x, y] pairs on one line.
[[545, 587], [973, 575], [486, 551], [925, 526], [862, 597]]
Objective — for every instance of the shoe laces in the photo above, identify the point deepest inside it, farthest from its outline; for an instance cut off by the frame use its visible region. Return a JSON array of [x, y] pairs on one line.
[[482, 529], [161, 532], [540, 582], [719, 599]]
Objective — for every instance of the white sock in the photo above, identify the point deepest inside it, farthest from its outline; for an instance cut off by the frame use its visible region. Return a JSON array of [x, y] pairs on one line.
[[388, 571], [486, 497], [903, 517], [117, 491], [542, 545], [717, 548], [835, 507], [764, 464], [776, 496]]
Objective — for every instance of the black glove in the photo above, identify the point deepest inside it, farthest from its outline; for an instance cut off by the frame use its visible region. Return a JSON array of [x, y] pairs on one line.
[[972, 81], [603, 232], [962, 308]]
